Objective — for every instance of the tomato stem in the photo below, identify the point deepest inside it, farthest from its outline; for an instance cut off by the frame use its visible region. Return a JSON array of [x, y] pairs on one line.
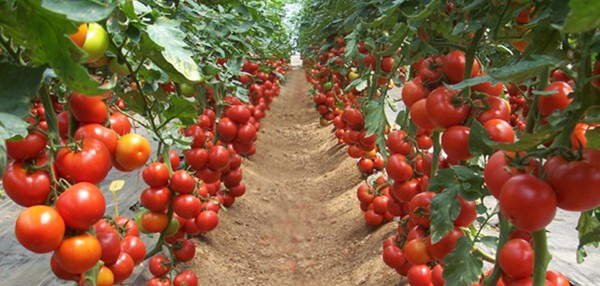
[[542, 257], [505, 230], [437, 147], [532, 116]]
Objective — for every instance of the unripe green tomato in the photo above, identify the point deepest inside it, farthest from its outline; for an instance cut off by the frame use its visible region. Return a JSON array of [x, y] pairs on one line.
[[96, 42], [138, 220], [352, 75], [173, 227], [187, 90], [327, 86], [116, 67]]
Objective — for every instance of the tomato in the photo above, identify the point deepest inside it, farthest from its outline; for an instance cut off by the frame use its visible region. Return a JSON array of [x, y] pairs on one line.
[[135, 247], [516, 258], [247, 133], [467, 214], [187, 206], [159, 281], [120, 123], [416, 251], [122, 268], [557, 101], [156, 199], [517, 197], [430, 69], [207, 221], [40, 229], [404, 191], [187, 278], [440, 249], [81, 206], [575, 182], [74, 165], [62, 273], [154, 221], [239, 114], [398, 143], [454, 66], [96, 131], [442, 108], [380, 204], [238, 190], [419, 275], [498, 170], [487, 88], [27, 148], [497, 108], [159, 265], [365, 193], [455, 142], [77, 254], [387, 64], [88, 109], [111, 246], [419, 208], [131, 229], [184, 250], [232, 178], [182, 182], [208, 175], [227, 129], [218, 158], [105, 277], [436, 276], [372, 218], [132, 151], [393, 256], [353, 118], [419, 115], [500, 131], [79, 37], [398, 169], [96, 42], [369, 61], [26, 188], [557, 278], [156, 175]]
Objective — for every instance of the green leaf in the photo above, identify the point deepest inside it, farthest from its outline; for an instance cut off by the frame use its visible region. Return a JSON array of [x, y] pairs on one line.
[[471, 82], [593, 137], [134, 101], [359, 84], [81, 10], [477, 142], [12, 126], [588, 228], [524, 69], [182, 109], [18, 85], [582, 17], [442, 179], [490, 241], [375, 122], [460, 266], [471, 181], [3, 158], [166, 34], [444, 209]]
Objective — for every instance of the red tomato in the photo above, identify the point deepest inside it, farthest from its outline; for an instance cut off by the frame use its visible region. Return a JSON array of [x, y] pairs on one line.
[[81, 206], [184, 250], [96, 131], [218, 158], [436, 276], [430, 70], [26, 188], [154, 221], [77, 254], [120, 123], [159, 281], [455, 142], [62, 273], [557, 278], [440, 249], [404, 191], [156, 175], [500, 131], [74, 166], [227, 129], [387, 64], [419, 275], [207, 221], [156, 199], [517, 197], [88, 109], [416, 251], [467, 214], [498, 171], [187, 206], [412, 91], [442, 108], [557, 101], [239, 114], [40, 229], [419, 208], [27, 148], [187, 278], [110, 243], [419, 115], [122, 268], [497, 108], [369, 61], [398, 143], [487, 88], [393, 256], [516, 258], [159, 265], [454, 66], [398, 169], [182, 182], [135, 247], [132, 151], [131, 228], [372, 218], [246, 133]]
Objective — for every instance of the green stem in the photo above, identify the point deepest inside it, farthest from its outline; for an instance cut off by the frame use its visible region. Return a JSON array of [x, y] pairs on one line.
[[532, 117], [542, 257], [470, 56], [437, 147], [53, 138], [505, 230]]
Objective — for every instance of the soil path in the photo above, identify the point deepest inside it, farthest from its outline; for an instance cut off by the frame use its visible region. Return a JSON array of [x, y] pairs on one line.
[[299, 223]]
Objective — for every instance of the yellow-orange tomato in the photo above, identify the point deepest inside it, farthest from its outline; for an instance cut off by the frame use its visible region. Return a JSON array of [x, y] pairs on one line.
[[79, 37], [132, 151]]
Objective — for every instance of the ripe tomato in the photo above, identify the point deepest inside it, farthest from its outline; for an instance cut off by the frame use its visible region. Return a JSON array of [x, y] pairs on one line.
[[40, 229], [81, 206], [497, 108], [393, 256], [60, 272], [419, 115], [436, 276], [135, 247], [27, 148], [516, 258], [122, 268], [454, 66], [557, 101], [498, 171], [416, 251], [96, 131], [239, 114], [159, 265], [419, 275], [74, 165], [132, 151], [105, 277], [246, 133], [430, 69], [156, 199], [419, 208], [189, 278], [182, 182], [412, 91], [187, 206], [131, 229], [184, 250], [218, 158], [232, 178], [387, 64], [398, 169], [154, 221], [444, 108], [440, 249], [557, 278], [120, 123], [158, 281], [575, 182], [353, 118], [96, 42], [467, 214], [372, 218], [26, 188], [521, 192], [487, 88], [404, 191], [500, 131], [77, 254], [207, 220], [110, 243], [156, 175], [227, 129], [398, 143], [369, 61], [455, 142], [88, 109]]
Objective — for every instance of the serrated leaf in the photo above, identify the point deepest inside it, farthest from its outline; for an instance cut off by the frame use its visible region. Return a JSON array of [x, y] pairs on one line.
[[166, 34], [524, 69], [471, 82], [588, 228], [490, 241], [477, 142], [359, 84], [460, 266], [582, 17], [18, 85], [182, 109], [81, 10], [442, 179], [444, 209]]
